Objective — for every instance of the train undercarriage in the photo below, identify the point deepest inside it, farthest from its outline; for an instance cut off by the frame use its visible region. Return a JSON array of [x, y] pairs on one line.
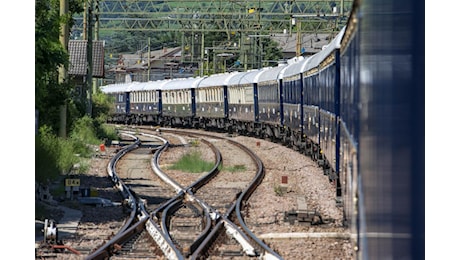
[[275, 133]]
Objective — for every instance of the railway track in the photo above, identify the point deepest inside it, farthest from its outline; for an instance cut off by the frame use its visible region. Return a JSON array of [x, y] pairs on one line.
[[214, 235], [239, 232], [139, 219], [189, 225]]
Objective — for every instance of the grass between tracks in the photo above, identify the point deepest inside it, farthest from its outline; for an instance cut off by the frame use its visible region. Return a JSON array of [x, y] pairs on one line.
[[192, 162]]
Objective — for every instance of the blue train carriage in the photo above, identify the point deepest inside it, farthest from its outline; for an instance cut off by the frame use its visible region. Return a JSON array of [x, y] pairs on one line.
[[348, 125], [242, 102], [391, 129], [293, 117], [145, 102], [212, 102], [329, 79], [120, 94], [310, 103], [268, 89], [136, 102], [178, 102]]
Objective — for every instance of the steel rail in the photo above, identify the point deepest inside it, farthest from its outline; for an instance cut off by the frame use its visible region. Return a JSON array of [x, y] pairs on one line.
[[238, 234], [107, 249], [132, 226], [171, 206]]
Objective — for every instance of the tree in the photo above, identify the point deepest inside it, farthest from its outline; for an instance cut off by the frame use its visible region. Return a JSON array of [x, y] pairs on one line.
[[49, 56], [272, 53]]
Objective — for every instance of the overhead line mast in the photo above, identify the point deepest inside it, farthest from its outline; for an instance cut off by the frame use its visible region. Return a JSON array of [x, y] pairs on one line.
[[219, 15], [194, 19]]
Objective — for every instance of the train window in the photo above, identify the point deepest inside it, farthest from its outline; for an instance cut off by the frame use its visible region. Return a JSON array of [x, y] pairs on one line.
[[248, 95]]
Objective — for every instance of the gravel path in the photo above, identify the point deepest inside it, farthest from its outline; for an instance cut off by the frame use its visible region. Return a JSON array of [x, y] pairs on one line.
[[306, 184]]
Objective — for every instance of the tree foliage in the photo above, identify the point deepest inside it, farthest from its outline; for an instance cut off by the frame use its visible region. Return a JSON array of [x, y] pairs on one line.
[[55, 155], [50, 54]]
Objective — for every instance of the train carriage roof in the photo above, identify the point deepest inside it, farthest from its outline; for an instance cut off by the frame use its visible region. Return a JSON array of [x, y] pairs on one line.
[[320, 56], [182, 83], [137, 86], [118, 88], [247, 77], [295, 68], [221, 79], [270, 74], [155, 85]]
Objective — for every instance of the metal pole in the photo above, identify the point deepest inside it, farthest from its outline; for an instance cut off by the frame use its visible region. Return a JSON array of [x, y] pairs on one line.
[[89, 59], [85, 21], [299, 36], [148, 62], [96, 38], [64, 39], [341, 7], [202, 54]]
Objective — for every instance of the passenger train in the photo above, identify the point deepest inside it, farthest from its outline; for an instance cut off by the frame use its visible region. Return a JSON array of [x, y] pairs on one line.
[[356, 107]]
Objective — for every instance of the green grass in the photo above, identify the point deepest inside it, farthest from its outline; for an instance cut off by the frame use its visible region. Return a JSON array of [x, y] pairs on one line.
[[192, 162]]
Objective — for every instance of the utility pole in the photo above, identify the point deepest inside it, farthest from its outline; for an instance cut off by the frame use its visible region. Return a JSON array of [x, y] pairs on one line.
[[202, 54], [64, 39], [148, 62], [299, 38], [96, 38], [89, 57]]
